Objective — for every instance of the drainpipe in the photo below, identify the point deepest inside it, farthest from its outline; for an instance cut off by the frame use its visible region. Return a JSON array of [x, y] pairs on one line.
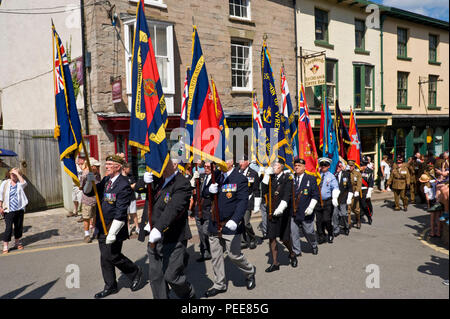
[[83, 52], [383, 17]]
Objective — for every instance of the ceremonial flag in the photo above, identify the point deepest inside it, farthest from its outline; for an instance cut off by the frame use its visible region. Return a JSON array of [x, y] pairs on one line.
[[257, 132], [355, 146], [307, 147], [329, 142], [271, 113], [288, 118], [148, 108], [222, 147], [201, 108], [343, 137], [183, 116], [68, 126]]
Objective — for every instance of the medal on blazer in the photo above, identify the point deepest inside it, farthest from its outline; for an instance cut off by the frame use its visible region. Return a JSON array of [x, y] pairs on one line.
[[229, 195], [167, 198]]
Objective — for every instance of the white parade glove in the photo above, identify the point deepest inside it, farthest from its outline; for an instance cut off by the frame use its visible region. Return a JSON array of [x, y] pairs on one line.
[[155, 235], [349, 198], [148, 177], [147, 227], [113, 231], [193, 182], [196, 175], [310, 209], [369, 192], [280, 209], [231, 225], [267, 172], [356, 194], [335, 195], [90, 177], [257, 206], [214, 188]]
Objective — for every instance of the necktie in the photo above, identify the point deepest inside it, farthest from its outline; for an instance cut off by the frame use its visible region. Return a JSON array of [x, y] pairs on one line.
[[108, 186]]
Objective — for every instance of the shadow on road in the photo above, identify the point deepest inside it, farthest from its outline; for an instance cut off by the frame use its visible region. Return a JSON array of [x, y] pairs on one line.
[[13, 294], [40, 236], [437, 267], [37, 293]]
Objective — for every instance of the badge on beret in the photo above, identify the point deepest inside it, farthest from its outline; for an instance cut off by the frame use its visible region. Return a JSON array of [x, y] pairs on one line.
[[229, 195]]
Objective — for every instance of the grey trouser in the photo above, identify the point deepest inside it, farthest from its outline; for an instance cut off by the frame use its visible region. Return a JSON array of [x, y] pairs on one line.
[[202, 228], [307, 228], [263, 225], [166, 267], [340, 213], [232, 245]]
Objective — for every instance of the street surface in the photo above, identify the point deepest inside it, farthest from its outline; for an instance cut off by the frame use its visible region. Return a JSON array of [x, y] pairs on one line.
[[409, 267]]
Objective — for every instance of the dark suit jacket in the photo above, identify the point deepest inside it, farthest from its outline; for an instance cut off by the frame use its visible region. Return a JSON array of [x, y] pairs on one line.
[[367, 177], [345, 186], [304, 193], [115, 203], [281, 190], [170, 209], [206, 198], [253, 187], [232, 206]]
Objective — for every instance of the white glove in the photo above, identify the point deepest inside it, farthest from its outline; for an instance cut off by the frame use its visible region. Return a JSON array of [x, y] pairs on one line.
[[155, 235], [369, 192], [90, 177], [267, 172], [349, 198], [193, 182], [214, 188], [310, 209], [335, 195], [147, 227], [231, 225], [148, 177], [356, 194], [196, 175], [280, 209], [257, 206], [113, 231]]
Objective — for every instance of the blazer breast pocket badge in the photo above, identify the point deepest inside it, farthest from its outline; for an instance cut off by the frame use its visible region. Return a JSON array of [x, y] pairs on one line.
[[110, 198], [167, 198], [305, 192]]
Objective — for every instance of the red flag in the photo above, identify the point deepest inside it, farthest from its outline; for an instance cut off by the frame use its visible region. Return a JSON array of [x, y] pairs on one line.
[[355, 145]]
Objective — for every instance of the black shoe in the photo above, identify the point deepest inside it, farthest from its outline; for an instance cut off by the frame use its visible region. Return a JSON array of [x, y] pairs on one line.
[[298, 255], [273, 268], [213, 291], [251, 282], [346, 231], [105, 293], [330, 239], [315, 250], [369, 220], [337, 234], [244, 245], [136, 282], [321, 240], [405, 208], [252, 245], [294, 261], [202, 259]]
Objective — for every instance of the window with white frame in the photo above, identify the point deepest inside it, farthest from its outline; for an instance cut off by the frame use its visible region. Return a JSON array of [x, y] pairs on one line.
[[331, 81], [368, 86], [240, 9], [241, 65], [156, 3], [161, 34]]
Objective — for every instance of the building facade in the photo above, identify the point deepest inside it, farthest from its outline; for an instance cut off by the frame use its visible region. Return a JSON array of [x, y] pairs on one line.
[[416, 82]]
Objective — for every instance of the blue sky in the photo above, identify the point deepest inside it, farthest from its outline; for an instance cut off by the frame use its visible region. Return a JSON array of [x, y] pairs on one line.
[[433, 8]]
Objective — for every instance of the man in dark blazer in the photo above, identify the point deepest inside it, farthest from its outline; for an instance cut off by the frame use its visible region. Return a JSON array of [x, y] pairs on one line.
[[340, 213], [306, 199], [115, 193], [202, 216], [254, 202], [168, 232], [232, 195]]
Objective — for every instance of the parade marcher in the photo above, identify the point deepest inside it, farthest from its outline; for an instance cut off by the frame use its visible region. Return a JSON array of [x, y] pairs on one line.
[[399, 182], [340, 213], [356, 181], [12, 207], [168, 232], [412, 179], [202, 218], [254, 202], [115, 193], [224, 234], [329, 191], [306, 198], [279, 211], [366, 190], [89, 203]]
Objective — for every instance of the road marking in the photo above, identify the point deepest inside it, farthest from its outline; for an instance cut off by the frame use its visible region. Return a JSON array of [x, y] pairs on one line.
[[433, 246], [41, 249]]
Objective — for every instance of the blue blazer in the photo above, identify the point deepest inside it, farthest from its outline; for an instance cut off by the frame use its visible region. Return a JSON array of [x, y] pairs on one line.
[[232, 202], [304, 193]]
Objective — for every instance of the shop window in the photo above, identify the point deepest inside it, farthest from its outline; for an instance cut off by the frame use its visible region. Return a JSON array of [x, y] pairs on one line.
[[161, 34], [368, 140]]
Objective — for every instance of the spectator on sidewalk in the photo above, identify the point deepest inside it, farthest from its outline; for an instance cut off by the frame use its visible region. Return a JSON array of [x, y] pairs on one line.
[[77, 193], [12, 207], [132, 211], [89, 203], [385, 173], [429, 191]]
